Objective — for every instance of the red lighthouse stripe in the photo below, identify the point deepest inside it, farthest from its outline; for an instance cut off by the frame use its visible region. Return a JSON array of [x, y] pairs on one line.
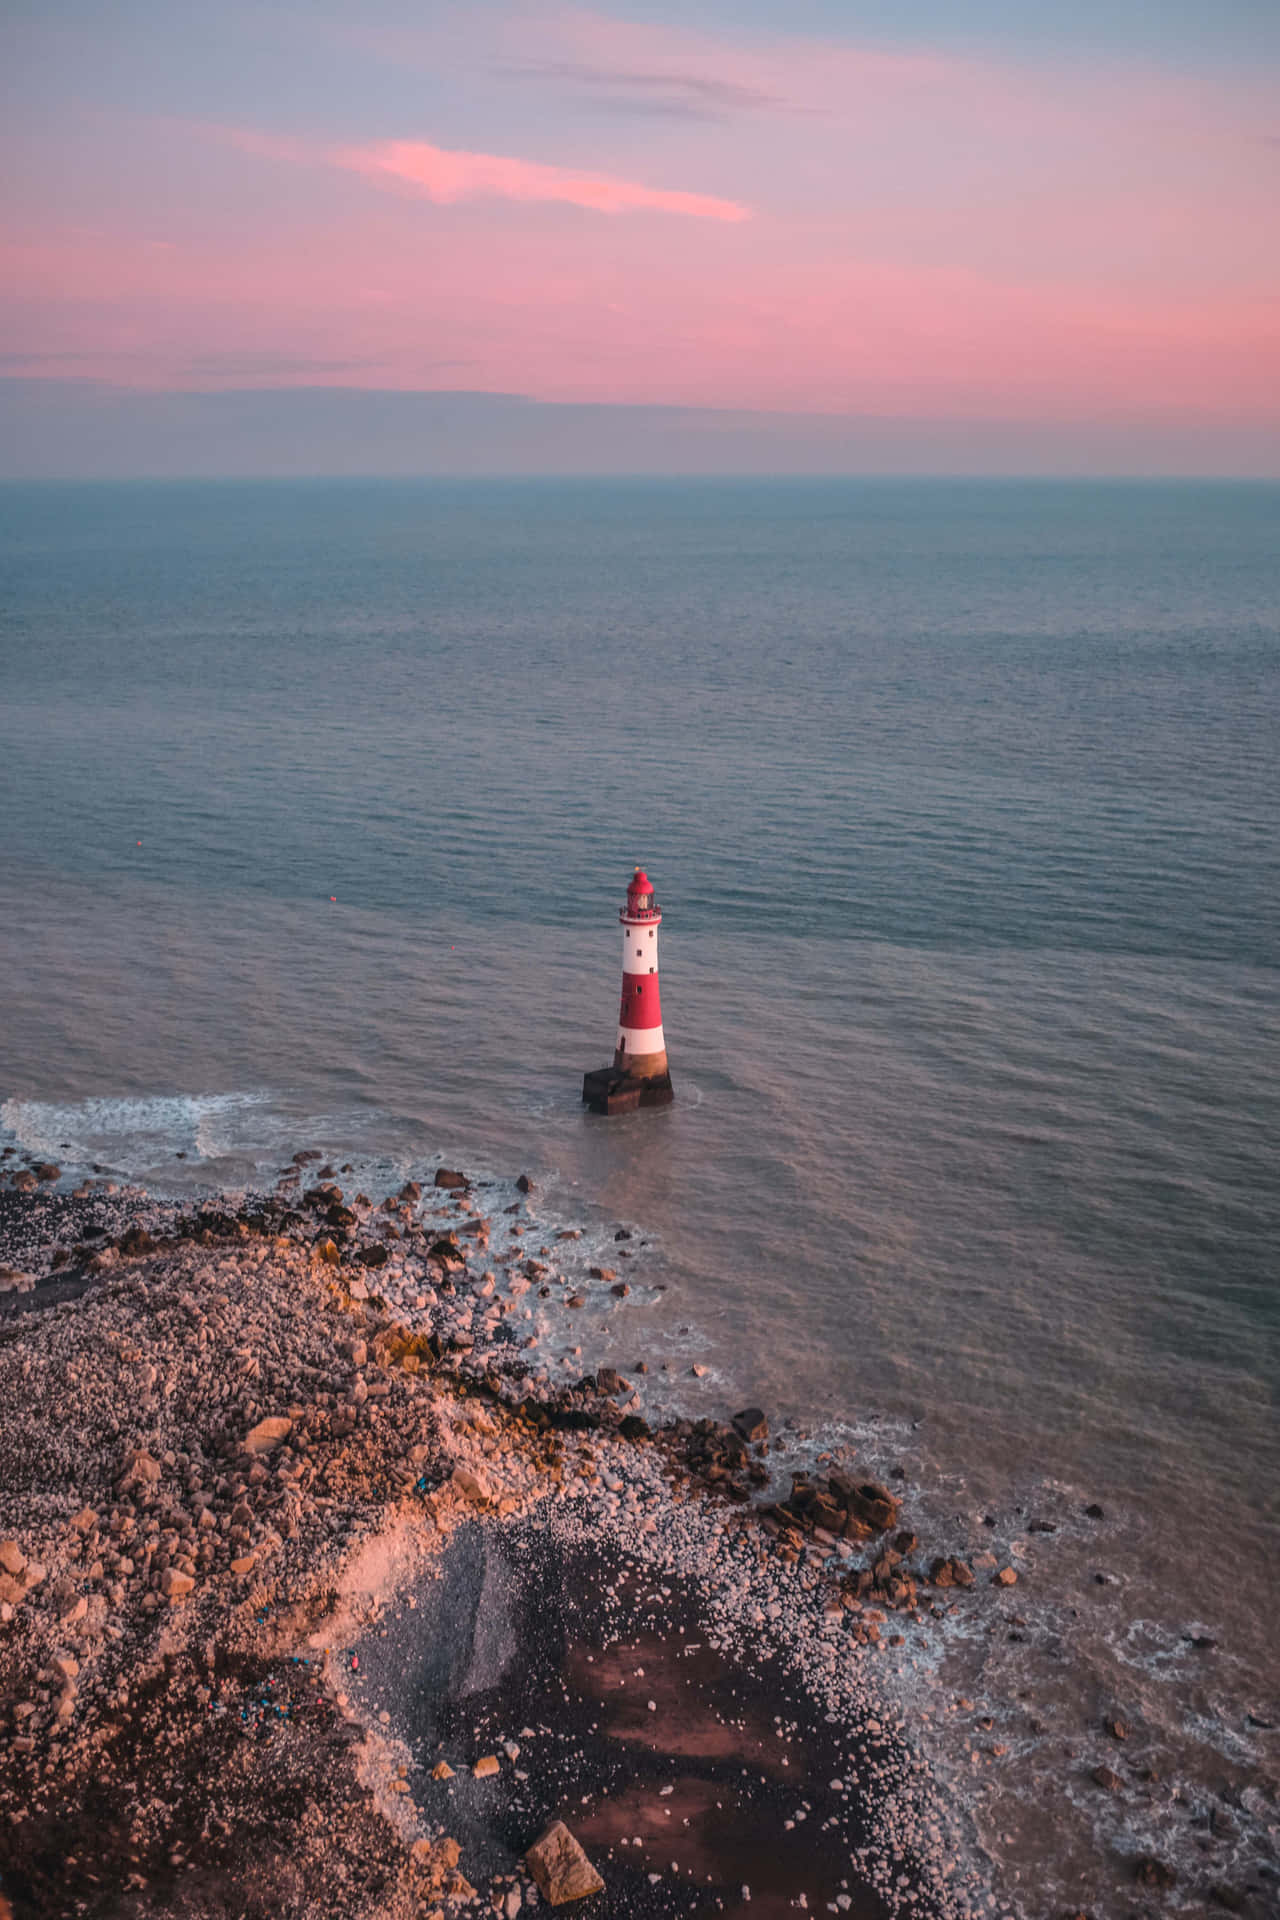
[[640, 1004]]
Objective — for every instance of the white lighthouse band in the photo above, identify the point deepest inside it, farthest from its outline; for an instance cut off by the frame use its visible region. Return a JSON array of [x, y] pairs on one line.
[[640, 946], [642, 1049]]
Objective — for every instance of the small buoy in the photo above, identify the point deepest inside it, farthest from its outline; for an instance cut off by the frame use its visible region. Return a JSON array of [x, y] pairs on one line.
[[332, 896]]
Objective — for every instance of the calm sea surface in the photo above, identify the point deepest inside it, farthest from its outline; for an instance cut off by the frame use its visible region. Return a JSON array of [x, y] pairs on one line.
[[963, 804]]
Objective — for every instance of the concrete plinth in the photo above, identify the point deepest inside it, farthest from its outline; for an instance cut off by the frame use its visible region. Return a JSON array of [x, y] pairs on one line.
[[614, 1090]]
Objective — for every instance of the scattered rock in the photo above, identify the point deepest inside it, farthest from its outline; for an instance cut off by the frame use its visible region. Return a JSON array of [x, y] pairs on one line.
[[268, 1434], [560, 1867], [1150, 1872], [1006, 1577], [474, 1485], [485, 1768], [449, 1177], [1105, 1777], [140, 1469], [751, 1424], [951, 1573], [175, 1585], [524, 1184], [135, 1242], [46, 1170], [12, 1558]]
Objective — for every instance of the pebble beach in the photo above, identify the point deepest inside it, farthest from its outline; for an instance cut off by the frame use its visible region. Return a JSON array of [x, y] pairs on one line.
[[323, 1592]]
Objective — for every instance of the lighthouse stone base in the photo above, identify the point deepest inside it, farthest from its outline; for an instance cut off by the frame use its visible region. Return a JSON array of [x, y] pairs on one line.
[[614, 1090]]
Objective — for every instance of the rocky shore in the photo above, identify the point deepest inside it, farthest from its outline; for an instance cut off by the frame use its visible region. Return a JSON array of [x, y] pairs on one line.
[[246, 1448]]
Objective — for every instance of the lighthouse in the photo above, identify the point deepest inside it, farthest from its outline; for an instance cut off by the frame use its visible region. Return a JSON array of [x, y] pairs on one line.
[[639, 1075]]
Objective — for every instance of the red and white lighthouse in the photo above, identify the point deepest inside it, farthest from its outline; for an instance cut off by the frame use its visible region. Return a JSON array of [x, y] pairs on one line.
[[639, 1076]]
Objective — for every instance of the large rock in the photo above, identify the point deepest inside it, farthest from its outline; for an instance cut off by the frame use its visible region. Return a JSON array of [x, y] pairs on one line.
[[268, 1434], [449, 1177], [140, 1469], [751, 1424], [135, 1242], [560, 1867]]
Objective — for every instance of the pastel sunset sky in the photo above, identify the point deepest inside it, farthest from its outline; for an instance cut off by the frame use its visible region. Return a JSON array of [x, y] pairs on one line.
[[934, 213]]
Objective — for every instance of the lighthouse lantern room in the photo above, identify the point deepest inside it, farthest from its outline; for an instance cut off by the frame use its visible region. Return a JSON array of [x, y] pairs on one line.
[[639, 1076]]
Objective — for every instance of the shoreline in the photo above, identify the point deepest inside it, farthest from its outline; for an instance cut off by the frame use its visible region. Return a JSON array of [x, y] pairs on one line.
[[408, 1407]]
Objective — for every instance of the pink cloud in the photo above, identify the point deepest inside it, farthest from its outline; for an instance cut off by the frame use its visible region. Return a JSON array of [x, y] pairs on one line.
[[449, 174], [445, 174]]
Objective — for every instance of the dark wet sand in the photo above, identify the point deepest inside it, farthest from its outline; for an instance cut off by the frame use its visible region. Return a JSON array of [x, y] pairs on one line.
[[525, 1632]]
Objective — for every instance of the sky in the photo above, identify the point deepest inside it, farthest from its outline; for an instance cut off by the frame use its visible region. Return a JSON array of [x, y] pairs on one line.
[[1049, 229]]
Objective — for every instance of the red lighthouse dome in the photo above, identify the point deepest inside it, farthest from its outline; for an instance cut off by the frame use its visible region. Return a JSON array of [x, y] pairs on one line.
[[641, 904]]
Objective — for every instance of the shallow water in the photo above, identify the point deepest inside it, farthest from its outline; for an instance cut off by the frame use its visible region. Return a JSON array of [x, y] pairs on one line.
[[963, 804]]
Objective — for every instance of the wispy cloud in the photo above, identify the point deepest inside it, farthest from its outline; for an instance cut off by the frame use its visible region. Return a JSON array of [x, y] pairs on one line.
[[446, 175], [449, 174], [672, 94]]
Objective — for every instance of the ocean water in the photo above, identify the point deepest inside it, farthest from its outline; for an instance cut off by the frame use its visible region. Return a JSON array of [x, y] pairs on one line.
[[963, 804]]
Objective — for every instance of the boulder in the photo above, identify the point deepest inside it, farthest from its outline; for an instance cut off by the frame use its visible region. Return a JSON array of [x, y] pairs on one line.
[[268, 1434], [451, 1178], [411, 1192], [446, 1252], [473, 1485], [560, 1868], [175, 1585], [374, 1256], [135, 1242], [140, 1469], [47, 1171], [951, 1573], [12, 1558], [751, 1424], [524, 1184]]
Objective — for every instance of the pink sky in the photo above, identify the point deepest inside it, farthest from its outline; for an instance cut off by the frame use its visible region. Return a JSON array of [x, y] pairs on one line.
[[576, 207]]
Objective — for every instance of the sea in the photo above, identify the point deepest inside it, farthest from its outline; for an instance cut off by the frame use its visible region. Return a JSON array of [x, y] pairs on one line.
[[962, 803]]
